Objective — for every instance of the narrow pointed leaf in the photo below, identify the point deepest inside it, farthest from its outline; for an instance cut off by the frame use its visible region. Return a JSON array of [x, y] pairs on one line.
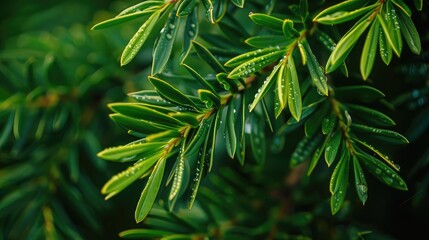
[[200, 78], [386, 51], [140, 111], [123, 179], [410, 33], [389, 22], [339, 182], [129, 152], [316, 72], [126, 17], [137, 125], [265, 87], [256, 64], [281, 87], [342, 16], [332, 147], [207, 56], [346, 44], [293, 90], [171, 93], [267, 21], [378, 152], [149, 97], [304, 149], [150, 191], [369, 50], [362, 92], [190, 33], [164, 45], [403, 7], [303, 9], [382, 172], [329, 123], [139, 39], [144, 233], [318, 153], [230, 135], [360, 181], [371, 116], [384, 134], [267, 41], [257, 138]]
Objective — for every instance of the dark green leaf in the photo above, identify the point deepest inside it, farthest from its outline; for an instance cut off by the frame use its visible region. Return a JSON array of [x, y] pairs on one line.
[[387, 135], [304, 149], [137, 125], [257, 137], [171, 93], [378, 152], [318, 153], [329, 123], [332, 147], [207, 56], [164, 45], [199, 170], [217, 121], [198, 139], [150, 191], [185, 117], [139, 39], [178, 172], [230, 121], [190, 33], [360, 181], [186, 7], [371, 116], [362, 92], [303, 9], [312, 124], [369, 50], [198, 77], [267, 21], [339, 182], [382, 172], [418, 4], [329, 45], [410, 33], [316, 72], [403, 6], [216, 9]]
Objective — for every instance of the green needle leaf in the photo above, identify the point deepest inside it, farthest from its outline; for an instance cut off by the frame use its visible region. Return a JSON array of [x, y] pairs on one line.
[[139, 39], [150, 191]]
